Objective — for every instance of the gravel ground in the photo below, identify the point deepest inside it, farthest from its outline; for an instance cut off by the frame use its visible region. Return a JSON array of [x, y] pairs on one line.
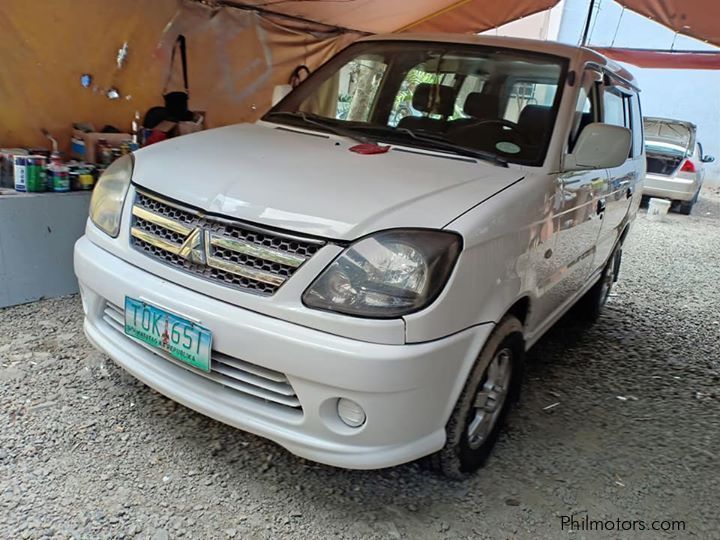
[[86, 451]]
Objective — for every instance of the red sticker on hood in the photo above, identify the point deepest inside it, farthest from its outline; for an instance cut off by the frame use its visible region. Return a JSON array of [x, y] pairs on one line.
[[369, 149]]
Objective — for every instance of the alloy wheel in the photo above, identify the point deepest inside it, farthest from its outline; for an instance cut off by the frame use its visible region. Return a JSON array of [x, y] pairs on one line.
[[490, 398]]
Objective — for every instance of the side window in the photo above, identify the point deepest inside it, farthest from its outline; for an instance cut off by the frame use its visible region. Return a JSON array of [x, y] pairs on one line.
[[524, 93], [586, 112], [356, 83], [614, 108], [617, 110]]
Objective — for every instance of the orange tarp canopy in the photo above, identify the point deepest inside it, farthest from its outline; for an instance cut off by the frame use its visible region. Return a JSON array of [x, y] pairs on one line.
[[382, 16], [646, 58], [238, 50], [696, 18]]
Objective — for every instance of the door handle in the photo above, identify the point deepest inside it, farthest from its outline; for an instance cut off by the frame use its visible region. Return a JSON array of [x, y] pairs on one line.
[[601, 206]]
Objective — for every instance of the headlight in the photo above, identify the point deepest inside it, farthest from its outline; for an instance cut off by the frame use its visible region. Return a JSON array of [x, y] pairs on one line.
[[386, 275], [109, 195]]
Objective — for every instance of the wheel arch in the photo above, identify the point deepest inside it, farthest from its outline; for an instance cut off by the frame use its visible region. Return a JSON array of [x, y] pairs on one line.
[[520, 309]]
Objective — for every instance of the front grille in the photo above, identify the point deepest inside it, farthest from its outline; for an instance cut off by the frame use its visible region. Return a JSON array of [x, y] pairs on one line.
[[232, 253], [262, 385]]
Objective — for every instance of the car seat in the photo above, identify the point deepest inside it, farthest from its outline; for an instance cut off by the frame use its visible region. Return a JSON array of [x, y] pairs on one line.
[[430, 99]]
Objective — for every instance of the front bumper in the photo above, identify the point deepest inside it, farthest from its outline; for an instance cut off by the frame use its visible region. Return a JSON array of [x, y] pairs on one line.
[[407, 391], [670, 187]]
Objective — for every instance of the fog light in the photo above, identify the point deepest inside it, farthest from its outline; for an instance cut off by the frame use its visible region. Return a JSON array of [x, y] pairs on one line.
[[350, 412]]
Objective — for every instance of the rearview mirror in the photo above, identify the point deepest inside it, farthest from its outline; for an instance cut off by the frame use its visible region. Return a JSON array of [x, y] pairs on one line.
[[279, 92], [599, 146], [708, 159]]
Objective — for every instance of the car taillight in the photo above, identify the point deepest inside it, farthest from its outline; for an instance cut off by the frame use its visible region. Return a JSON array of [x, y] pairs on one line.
[[688, 166]]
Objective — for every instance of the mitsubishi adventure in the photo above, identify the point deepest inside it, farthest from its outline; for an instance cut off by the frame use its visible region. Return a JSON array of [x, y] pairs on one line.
[[358, 275]]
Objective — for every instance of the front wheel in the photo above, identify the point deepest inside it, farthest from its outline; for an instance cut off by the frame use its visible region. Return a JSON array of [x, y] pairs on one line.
[[479, 414]]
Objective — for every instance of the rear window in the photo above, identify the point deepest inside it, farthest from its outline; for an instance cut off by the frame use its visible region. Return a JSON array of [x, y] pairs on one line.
[[667, 149]]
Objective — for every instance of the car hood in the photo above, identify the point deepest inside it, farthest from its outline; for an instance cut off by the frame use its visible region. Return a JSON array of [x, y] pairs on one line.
[[311, 183]]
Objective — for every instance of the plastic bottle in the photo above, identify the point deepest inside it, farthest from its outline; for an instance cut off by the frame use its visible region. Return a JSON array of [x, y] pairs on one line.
[[101, 148], [55, 163]]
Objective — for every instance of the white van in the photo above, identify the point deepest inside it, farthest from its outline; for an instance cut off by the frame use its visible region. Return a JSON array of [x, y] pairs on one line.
[[357, 276]]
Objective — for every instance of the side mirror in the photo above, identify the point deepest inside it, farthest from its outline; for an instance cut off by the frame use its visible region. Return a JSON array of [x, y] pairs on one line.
[[600, 146], [279, 92], [708, 159]]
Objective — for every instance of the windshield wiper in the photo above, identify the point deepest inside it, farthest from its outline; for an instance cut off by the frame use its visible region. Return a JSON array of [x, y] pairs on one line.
[[435, 141], [321, 122]]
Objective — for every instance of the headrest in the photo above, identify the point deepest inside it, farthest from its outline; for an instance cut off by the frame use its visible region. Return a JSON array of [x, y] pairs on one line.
[[480, 105], [434, 99], [535, 119]]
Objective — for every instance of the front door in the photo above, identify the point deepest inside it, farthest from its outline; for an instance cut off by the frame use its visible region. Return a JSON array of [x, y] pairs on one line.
[[584, 199], [579, 223], [579, 206], [620, 108]]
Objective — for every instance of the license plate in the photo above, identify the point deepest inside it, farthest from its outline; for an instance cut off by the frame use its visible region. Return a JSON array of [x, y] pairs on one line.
[[182, 339]]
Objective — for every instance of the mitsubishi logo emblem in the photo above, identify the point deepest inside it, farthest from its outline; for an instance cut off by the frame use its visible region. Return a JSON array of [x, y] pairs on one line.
[[193, 249]]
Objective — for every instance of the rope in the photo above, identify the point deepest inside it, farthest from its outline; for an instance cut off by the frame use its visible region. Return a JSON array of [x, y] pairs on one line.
[[618, 26]]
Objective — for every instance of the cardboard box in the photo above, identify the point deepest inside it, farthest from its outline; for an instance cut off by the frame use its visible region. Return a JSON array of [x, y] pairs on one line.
[[194, 125], [83, 143], [167, 129]]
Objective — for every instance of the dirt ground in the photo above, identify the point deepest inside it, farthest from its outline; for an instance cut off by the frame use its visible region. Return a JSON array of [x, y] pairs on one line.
[[618, 421]]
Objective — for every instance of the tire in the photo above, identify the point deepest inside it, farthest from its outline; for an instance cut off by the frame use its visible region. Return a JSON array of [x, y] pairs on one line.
[[685, 208], [591, 305], [500, 363]]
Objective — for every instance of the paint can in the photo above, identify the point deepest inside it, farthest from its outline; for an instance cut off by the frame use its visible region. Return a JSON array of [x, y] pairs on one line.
[[61, 179], [35, 180], [7, 165]]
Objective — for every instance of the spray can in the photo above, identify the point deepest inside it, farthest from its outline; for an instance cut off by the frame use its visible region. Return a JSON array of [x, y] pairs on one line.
[[20, 173]]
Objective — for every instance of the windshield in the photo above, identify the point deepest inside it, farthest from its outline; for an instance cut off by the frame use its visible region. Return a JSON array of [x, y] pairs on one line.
[[491, 103]]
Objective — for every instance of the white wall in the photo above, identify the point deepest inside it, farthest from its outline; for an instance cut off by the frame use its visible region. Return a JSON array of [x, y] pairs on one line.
[[544, 25]]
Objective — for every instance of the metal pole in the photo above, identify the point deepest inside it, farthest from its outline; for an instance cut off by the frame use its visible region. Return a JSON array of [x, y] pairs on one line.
[[583, 43]]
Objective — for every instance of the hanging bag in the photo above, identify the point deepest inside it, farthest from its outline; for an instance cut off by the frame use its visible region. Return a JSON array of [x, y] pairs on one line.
[[176, 103]]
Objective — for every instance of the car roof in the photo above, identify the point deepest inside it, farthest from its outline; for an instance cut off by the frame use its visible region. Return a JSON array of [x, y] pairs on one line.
[[579, 54]]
